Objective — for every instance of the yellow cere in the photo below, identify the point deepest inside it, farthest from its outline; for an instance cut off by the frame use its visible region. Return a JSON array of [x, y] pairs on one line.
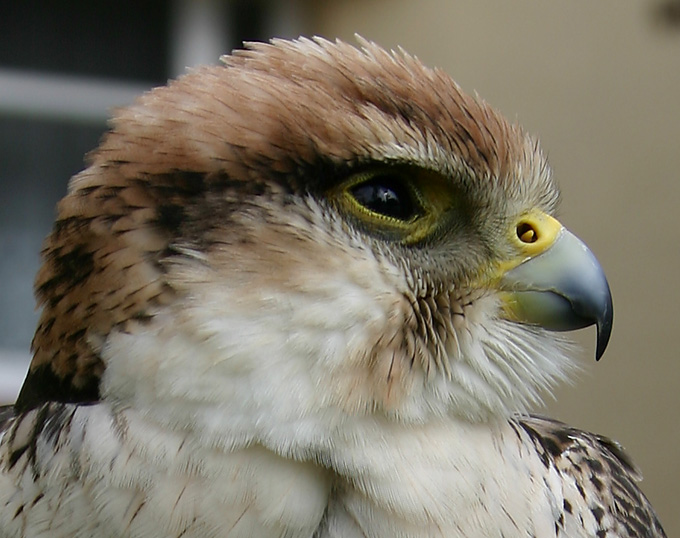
[[533, 233]]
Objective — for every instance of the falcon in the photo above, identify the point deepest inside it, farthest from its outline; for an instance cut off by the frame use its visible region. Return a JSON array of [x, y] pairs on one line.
[[314, 291]]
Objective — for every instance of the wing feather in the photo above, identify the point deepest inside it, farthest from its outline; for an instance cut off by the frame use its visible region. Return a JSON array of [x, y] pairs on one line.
[[6, 413], [605, 479]]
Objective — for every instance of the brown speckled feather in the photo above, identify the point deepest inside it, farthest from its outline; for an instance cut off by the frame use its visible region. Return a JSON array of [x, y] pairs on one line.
[[605, 479], [6, 413]]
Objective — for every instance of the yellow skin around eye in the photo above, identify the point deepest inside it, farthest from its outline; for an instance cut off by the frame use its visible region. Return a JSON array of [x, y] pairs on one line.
[[433, 196]]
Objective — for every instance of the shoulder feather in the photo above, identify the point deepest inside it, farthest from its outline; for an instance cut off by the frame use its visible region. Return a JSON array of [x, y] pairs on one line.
[[604, 475]]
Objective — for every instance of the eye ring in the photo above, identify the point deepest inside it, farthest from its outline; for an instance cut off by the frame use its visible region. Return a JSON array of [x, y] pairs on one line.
[[397, 201]]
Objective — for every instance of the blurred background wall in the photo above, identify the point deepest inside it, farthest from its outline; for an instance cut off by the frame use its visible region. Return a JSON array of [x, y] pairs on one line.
[[598, 82]]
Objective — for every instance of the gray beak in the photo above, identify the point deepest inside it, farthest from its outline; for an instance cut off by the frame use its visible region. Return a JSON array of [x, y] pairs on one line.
[[562, 289]]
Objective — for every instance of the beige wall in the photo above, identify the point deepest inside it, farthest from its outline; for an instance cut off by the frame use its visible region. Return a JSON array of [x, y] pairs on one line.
[[599, 83]]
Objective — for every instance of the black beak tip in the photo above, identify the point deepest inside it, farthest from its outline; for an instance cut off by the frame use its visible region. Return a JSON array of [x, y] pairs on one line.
[[604, 330]]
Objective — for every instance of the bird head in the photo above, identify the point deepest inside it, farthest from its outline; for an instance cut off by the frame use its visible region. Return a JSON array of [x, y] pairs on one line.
[[306, 233]]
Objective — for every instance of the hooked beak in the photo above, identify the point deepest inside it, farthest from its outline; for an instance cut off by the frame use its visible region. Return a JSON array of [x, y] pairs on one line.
[[556, 282]]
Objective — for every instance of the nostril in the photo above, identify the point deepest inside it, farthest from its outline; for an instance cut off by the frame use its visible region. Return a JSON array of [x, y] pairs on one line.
[[527, 233]]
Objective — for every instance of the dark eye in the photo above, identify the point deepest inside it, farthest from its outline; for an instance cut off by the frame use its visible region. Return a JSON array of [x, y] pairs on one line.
[[387, 196]]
